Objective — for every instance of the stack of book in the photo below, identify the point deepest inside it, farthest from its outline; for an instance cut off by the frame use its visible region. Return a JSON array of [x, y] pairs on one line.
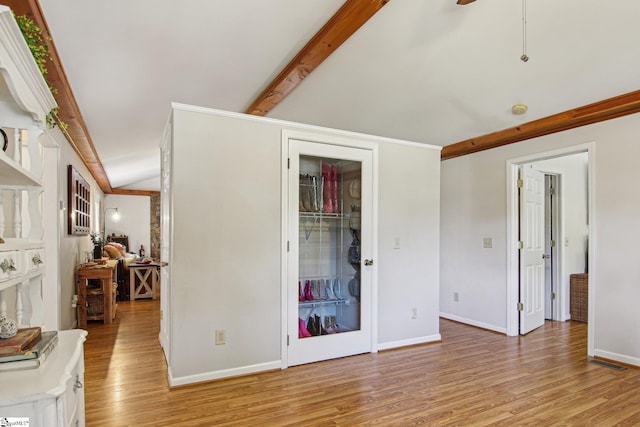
[[28, 349]]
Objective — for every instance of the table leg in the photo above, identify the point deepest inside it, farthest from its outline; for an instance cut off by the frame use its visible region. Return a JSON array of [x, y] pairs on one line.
[[154, 283], [107, 295], [132, 284]]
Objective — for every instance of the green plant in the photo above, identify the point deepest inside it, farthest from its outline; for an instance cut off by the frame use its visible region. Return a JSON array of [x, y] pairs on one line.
[[39, 48], [97, 239], [37, 45]]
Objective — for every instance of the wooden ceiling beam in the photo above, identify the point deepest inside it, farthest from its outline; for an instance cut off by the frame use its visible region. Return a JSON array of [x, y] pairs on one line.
[[125, 192], [342, 25], [76, 133], [611, 108]]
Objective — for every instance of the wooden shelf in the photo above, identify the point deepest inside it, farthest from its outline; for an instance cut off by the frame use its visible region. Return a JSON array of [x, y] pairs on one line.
[[104, 297]]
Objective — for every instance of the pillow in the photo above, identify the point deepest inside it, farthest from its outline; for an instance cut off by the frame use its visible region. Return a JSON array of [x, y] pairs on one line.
[[112, 251], [116, 245], [119, 247]]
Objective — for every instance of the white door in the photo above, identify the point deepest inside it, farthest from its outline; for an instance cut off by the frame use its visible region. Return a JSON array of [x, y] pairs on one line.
[[330, 263], [165, 248], [532, 262]]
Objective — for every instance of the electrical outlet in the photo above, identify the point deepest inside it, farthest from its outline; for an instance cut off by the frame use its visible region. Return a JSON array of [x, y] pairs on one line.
[[221, 336], [396, 243], [414, 313], [456, 297], [74, 301]]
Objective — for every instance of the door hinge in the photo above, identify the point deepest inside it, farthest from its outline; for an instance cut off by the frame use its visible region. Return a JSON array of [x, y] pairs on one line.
[[520, 244], [553, 295], [287, 339], [552, 191], [288, 163], [287, 246], [520, 306], [520, 183], [553, 243]]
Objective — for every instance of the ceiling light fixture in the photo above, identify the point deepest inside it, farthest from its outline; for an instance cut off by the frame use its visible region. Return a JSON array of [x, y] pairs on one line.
[[524, 57], [519, 109]]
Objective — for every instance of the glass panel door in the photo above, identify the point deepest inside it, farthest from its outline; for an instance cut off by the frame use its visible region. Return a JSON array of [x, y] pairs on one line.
[[329, 301]]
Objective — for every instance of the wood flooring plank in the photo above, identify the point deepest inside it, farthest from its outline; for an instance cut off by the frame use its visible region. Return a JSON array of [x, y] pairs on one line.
[[472, 378]]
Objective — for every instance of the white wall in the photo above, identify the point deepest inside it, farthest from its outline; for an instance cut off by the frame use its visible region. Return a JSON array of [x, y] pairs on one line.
[[226, 246], [226, 267], [573, 211], [473, 205], [408, 277], [71, 247], [134, 220]]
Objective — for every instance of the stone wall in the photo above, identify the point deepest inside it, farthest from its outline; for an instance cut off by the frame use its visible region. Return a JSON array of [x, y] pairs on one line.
[[155, 226]]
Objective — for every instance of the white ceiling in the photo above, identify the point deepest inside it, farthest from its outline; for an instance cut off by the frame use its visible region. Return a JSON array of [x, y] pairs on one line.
[[424, 70]]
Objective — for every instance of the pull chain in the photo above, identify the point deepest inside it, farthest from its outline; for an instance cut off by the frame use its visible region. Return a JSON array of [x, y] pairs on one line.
[[524, 57]]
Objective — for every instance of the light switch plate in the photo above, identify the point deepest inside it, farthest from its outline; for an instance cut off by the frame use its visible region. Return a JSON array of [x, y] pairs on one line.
[[220, 336], [487, 242]]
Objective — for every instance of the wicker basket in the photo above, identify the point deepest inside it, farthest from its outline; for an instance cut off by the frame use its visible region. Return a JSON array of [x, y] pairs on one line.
[[579, 302], [95, 303]]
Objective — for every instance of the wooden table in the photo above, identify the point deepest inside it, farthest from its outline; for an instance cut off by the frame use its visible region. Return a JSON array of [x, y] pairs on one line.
[[148, 280], [107, 274]]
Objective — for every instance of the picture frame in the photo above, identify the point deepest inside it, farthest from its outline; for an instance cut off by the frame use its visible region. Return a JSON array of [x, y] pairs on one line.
[[79, 203]]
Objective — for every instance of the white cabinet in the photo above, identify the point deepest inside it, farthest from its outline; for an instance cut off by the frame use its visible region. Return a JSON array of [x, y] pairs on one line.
[[53, 394]]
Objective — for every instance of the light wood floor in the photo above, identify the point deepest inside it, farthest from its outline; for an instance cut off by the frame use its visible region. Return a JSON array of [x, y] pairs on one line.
[[474, 377]]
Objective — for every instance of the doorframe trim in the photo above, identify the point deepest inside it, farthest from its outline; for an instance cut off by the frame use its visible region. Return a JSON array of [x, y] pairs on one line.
[[345, 141], [512, 232], [284, 255]]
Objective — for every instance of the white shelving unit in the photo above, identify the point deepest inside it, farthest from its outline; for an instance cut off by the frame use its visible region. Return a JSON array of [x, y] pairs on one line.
[[52, 394], [25, 101]]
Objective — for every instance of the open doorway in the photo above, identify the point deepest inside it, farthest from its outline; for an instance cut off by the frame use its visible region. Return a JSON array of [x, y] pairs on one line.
[[566, 251], [539, 215]]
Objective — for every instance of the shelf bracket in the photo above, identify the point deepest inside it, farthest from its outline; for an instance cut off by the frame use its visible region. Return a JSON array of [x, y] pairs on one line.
[[308, 232]]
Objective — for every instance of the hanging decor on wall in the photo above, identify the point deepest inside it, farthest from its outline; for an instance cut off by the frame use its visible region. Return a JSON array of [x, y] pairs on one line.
[[79, 203]]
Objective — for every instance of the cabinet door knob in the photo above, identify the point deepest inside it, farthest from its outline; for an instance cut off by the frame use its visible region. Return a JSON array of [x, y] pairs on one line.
[[368, 262]]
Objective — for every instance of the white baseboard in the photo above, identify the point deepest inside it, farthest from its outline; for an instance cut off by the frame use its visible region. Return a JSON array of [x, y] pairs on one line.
[[475, 323], [225, 373], [413, 341], [622, 358]]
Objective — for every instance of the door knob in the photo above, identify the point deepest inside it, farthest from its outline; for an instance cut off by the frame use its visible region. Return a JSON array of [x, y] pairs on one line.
[[368, 262], [545, 256]]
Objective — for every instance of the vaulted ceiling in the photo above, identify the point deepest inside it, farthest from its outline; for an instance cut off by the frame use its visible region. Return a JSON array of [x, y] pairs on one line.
[[429, 71]]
